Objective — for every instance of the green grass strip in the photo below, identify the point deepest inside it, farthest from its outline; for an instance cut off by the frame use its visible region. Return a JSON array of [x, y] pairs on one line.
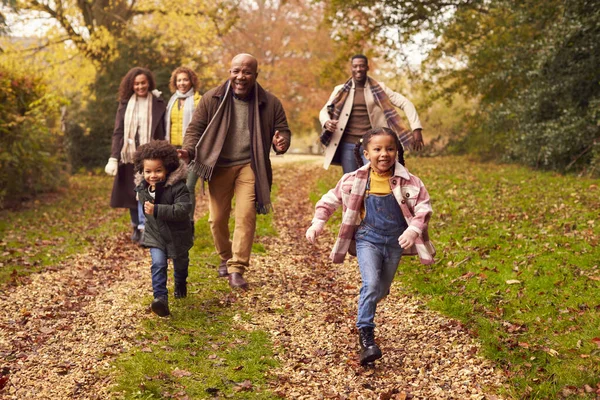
[[57, 226], [202, 350]]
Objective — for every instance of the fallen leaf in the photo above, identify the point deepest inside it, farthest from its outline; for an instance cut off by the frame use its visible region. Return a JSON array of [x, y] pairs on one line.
[[245, 386], [551, 352], [180, 373], [512, 282]]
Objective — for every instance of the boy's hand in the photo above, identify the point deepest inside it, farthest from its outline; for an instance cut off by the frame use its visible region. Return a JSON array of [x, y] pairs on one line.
[[407, 239], [148, 208], [315, 230]]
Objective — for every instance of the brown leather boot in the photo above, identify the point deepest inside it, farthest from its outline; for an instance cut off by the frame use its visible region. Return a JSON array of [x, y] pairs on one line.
[[237, 281], [222, 270]]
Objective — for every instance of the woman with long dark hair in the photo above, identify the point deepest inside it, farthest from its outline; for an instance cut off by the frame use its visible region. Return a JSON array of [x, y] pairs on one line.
[[140, 119]]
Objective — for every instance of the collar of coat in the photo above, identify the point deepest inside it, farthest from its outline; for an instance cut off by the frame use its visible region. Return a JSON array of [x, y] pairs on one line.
[[221, 90], [399, 171], [180, 174]]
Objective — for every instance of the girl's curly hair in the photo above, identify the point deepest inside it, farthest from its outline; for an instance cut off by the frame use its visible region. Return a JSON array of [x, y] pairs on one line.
[[126, 86], [367, 138], [156, 150], [183, 70]]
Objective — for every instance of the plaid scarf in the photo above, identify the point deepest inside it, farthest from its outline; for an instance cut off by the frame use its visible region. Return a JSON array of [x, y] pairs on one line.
[[391, 115]]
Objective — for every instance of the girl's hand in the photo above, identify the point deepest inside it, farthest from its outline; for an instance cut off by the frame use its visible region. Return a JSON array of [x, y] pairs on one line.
[[315, 230], [148, 208], [407, 239]]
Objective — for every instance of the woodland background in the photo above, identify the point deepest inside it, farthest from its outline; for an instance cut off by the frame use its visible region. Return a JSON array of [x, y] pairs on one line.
[[510, 81]]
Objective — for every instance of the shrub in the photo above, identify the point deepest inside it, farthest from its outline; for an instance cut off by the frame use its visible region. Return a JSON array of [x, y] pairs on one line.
[[31, 159]]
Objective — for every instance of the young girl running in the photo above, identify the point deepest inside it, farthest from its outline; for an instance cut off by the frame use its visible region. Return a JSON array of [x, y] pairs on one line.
[[160, 185], [386, 210]]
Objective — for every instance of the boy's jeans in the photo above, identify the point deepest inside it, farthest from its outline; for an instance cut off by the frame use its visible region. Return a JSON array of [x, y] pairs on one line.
[[138, 218], [378, 258], [159, 271]]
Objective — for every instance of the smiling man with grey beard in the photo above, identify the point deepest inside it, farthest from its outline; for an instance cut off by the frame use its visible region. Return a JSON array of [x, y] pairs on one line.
[[227, 144]]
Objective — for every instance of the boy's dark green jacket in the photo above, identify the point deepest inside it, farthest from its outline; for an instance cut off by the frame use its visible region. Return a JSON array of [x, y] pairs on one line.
[[169, 228]]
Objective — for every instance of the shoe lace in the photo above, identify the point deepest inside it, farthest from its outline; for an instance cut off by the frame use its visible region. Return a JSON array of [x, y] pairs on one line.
[[368, 337]]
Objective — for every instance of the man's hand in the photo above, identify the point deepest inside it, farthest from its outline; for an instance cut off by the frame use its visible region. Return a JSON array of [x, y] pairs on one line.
[[315, 230], [331, 125], [184, 155], [278, 142], [407, 239], [148, 208], [417, 141]]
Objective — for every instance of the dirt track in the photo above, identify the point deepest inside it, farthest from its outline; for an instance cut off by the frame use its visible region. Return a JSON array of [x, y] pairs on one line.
[[59, 332]]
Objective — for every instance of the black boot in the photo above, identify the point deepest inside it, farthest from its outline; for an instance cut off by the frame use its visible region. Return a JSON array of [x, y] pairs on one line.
[[180, 290], [160, 306], [369, 351]]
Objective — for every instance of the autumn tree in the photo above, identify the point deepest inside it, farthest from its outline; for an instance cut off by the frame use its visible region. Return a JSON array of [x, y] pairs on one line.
[[532, 66], [294, 49], [95, 26]]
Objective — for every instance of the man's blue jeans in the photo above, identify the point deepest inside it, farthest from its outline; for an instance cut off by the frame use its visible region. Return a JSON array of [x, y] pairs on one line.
[[159, 271], [347, 158], [378, 257]]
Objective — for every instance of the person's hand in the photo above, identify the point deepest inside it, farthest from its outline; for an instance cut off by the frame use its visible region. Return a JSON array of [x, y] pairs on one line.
[[315, 230], [331, 125], [184, 155], [111, 166], [407, 239], [278, 142], [148, 208], [417, 141]]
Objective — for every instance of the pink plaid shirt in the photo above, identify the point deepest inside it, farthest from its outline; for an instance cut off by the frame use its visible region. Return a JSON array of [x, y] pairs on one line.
[[410, 193]]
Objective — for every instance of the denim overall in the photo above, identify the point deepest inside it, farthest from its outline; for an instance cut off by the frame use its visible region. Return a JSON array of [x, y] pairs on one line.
[[378, 252]]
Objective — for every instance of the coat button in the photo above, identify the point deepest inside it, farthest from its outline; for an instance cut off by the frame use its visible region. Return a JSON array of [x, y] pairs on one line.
[[403, 201], [393, 182], [407, 195]]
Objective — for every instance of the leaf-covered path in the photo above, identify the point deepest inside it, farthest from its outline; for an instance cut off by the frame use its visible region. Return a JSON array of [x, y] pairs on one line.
[[60, 331], [308, 305]]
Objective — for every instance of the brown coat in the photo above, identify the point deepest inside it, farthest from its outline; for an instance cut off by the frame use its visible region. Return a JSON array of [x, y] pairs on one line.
[[123, 193], [272, 118]]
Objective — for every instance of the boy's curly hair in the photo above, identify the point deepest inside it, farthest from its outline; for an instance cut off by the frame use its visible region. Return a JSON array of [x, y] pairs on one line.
[[156, 150]]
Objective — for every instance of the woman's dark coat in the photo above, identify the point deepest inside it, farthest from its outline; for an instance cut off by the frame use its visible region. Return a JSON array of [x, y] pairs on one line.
[[123, 194]]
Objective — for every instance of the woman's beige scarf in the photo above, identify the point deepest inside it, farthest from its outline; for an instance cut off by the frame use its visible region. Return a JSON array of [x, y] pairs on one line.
[[138, 120]]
